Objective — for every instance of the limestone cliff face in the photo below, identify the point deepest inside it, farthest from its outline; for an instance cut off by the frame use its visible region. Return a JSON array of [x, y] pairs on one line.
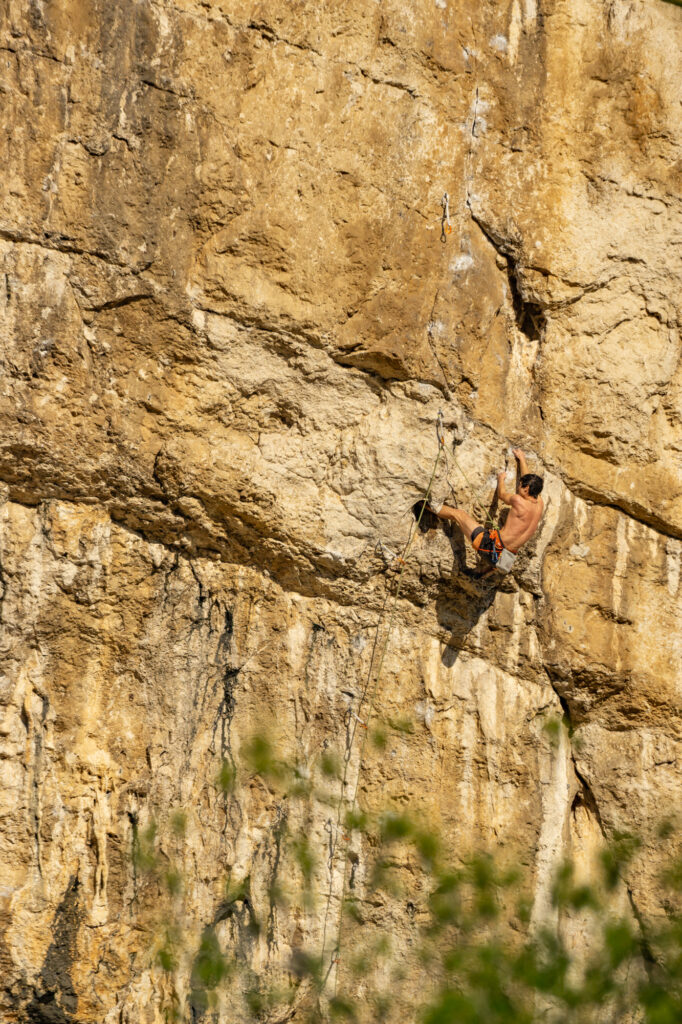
[[230, 315]]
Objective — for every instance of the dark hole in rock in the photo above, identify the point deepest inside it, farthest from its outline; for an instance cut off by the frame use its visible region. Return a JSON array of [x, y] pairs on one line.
[[530, 316], [428, 520]]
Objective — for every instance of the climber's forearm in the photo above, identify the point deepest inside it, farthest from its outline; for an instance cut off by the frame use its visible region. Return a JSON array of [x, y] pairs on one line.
[[521, 459], [502, 492]]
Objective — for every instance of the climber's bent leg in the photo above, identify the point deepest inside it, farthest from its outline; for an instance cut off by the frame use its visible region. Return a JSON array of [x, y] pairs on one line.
[[466, 523]]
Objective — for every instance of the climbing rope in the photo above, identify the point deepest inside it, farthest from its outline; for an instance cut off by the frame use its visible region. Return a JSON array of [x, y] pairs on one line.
[[354, 719], [338, 831], [477, 493], [441, 440]]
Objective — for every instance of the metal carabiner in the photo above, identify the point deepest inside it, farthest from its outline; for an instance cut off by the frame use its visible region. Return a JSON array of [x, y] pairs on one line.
[[440, 429]]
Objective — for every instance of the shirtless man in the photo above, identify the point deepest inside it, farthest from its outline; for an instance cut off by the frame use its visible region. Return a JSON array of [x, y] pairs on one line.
[[526, 511]]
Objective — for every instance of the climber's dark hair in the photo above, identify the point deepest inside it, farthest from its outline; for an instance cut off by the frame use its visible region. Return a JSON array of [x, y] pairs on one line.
[[533, 482]]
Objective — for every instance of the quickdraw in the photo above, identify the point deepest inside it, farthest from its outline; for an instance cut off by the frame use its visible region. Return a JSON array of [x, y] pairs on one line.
[[445, 226]]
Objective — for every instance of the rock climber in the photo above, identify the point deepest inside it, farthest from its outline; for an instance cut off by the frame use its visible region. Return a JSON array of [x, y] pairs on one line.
[[524, 516]]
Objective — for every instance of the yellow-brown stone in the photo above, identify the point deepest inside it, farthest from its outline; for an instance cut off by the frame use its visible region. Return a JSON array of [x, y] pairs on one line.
[[230, 317]]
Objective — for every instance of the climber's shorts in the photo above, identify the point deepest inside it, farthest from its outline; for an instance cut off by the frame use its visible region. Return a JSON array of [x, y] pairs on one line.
[[488, 543]]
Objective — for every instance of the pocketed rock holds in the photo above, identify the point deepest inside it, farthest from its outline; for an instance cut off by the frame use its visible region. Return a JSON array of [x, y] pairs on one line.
[[228, 326]]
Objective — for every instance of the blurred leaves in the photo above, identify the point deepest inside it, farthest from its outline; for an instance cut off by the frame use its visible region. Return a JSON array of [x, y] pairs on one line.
[[478, 953], [226, 778], [144, 847], [259, 759], [210, 966], [616, 857], [330, 765], [565, 892]]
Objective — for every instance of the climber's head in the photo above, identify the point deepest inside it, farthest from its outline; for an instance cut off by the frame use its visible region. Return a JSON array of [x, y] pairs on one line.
[[530, 485]]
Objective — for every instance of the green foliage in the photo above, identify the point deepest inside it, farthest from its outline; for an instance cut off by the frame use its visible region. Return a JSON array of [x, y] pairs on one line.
[[167, 952], [173, 881], [356, 819], [403, 725], [259, 758], [144, 850], [475, 957], [566, 894], [395, 827], [341, 1008], [210, 966], [178, 823], [552, 729], [226, 778], [305, 857], [379, 738], [330, 765], [616, 857]]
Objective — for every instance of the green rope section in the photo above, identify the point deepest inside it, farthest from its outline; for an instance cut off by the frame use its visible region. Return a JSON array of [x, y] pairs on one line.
[[336, 956]]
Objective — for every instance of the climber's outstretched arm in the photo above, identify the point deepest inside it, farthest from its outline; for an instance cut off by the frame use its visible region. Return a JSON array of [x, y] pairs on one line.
[[502, 492], [521, 458]]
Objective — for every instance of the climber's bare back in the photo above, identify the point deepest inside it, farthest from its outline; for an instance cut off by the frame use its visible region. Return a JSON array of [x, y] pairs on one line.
[[522, 522]]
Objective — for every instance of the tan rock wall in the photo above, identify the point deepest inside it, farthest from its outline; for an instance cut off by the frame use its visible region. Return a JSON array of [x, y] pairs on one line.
[[230, 318]]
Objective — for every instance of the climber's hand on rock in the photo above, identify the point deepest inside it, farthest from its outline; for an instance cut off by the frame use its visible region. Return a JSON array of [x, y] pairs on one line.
[[523, 465]]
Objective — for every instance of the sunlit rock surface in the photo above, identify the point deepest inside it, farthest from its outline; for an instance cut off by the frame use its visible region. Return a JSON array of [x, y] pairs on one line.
[[230, 314]]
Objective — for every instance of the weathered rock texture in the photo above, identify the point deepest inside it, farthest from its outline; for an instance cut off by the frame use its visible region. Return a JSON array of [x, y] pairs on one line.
[[229, 319]]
